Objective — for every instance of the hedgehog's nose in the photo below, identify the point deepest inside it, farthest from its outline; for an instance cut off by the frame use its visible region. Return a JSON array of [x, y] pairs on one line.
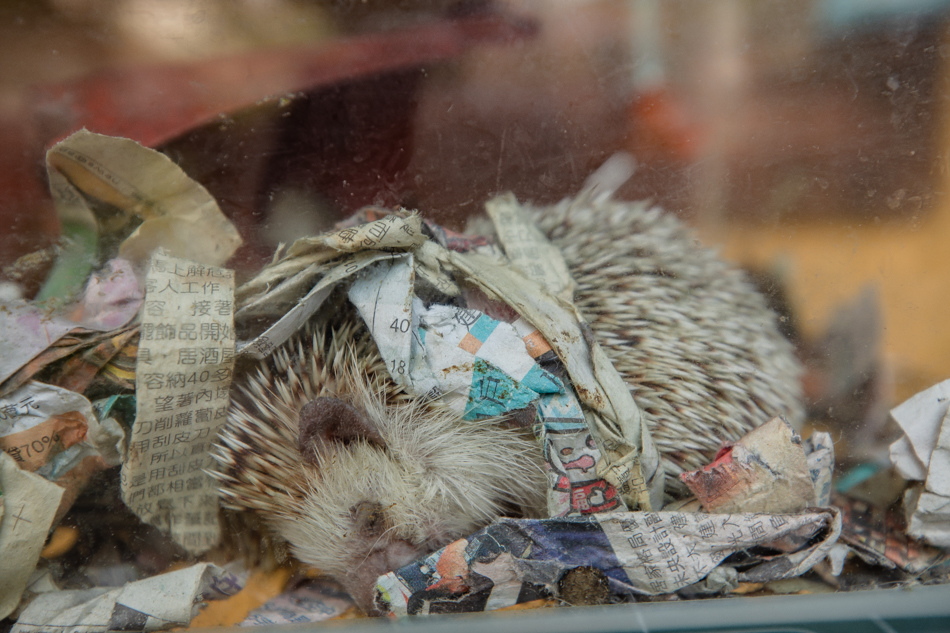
[[361, 581]]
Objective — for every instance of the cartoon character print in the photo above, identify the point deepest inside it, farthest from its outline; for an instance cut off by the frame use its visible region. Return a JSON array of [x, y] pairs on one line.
[[573, 456]]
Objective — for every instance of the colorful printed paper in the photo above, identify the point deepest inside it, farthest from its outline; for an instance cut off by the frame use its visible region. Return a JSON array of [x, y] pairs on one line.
[[645, 553]]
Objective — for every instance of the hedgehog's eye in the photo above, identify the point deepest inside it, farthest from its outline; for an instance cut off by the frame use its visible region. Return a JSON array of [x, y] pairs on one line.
[[369, 518], [326, 420]]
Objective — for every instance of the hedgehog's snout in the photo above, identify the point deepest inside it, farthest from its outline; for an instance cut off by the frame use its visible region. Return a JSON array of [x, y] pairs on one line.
[[360, 583], [382, 552]]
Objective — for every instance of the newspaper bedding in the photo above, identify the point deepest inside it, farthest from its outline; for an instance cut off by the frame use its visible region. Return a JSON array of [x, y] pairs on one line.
[[518, 342]]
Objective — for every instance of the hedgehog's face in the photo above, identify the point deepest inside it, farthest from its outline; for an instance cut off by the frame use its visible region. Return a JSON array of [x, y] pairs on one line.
[[357, 548], [384, 485], [369, 506]]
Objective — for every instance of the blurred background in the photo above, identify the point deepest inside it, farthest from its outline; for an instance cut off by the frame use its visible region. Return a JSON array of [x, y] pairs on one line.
[[806, 139]]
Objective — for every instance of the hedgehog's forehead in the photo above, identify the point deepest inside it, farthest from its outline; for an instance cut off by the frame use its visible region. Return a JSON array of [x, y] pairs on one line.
[[360, 394]]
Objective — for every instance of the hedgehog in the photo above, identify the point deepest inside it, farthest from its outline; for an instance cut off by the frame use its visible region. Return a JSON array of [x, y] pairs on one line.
[[356, 475], [360, 477]]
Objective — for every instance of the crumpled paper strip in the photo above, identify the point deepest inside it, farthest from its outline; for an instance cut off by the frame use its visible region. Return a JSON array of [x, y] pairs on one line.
[[923, 454], [29, 504], [153, 604], [636, 553]]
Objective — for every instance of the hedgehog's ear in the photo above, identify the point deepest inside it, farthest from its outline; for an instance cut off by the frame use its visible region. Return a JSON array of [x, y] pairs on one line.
[[330, 420]]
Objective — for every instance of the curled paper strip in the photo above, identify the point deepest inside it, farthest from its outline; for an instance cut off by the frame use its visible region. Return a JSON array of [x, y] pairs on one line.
[[149, 199], [394, 232]]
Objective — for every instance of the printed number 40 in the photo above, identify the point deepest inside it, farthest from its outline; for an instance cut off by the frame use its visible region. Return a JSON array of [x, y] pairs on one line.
[[400, 325]]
